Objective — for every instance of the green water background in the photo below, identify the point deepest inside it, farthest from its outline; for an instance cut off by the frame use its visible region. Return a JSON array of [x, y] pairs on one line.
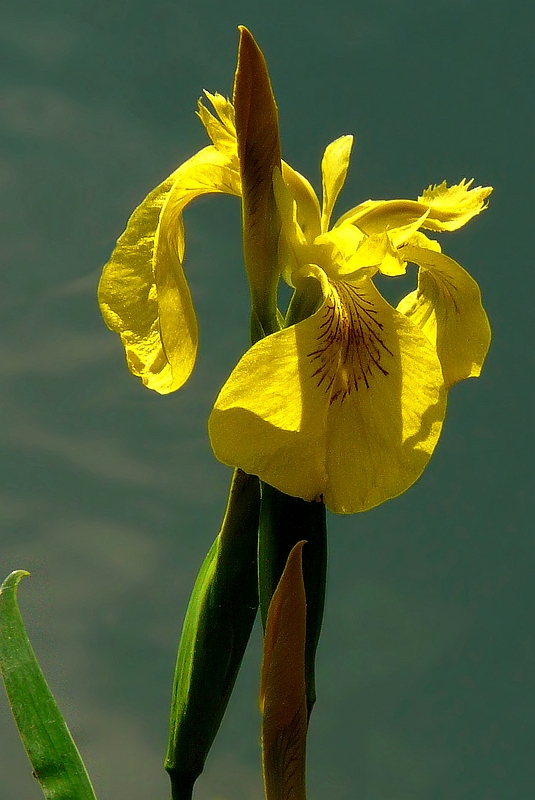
[[109, 494]]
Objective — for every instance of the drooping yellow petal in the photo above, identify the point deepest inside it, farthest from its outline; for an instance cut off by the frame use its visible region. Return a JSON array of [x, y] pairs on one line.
[[269, 416], [387, 404], [447, 307], [143, 294], [283, 690], [334, 166], [452, 207], [347, 404]]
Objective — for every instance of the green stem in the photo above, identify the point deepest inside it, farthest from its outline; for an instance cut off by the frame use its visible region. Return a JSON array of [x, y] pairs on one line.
[[182, 786]]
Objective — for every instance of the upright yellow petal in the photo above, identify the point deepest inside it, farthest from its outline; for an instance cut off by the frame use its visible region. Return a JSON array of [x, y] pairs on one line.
[[143, 294], [334, 166], [308, 207], [282, 690], [447, 307]]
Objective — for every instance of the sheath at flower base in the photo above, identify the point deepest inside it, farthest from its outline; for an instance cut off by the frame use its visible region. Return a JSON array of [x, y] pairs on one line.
[[347, 405]]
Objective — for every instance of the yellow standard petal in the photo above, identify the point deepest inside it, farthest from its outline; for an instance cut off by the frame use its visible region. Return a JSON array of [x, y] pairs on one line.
[[447, 307], [143, 294], [334, 166], [283, 690], [308, 212], [347, 404]]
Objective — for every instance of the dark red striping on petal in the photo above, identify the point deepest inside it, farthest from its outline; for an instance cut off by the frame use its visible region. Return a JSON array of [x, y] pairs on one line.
[[351, 348]]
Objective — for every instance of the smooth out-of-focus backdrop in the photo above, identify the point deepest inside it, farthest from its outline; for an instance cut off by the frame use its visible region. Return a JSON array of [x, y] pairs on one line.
[[110, 495]]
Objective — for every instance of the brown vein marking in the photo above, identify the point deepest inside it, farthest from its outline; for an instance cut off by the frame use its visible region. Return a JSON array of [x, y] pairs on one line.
[[286, 757], [351, 346]]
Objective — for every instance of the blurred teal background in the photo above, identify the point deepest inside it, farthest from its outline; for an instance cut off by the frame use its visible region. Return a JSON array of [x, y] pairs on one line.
[[110, 495]]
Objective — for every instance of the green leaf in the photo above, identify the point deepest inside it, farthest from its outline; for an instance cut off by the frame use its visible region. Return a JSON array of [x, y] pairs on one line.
[[53, 755]]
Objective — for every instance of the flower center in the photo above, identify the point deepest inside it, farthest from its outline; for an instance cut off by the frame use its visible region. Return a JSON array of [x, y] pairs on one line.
[[350, 345]]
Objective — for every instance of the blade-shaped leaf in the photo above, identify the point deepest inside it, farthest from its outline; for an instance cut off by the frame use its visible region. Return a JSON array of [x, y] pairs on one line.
[[56, 763]]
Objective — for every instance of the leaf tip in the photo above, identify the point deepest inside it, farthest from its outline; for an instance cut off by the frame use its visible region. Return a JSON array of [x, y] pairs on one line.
[[14, 578]]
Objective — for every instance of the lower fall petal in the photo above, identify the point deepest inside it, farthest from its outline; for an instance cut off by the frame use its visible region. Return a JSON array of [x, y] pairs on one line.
[[143, 294], [347, 404], [269, 419], [383, 428], [447, 307], [127, 294]]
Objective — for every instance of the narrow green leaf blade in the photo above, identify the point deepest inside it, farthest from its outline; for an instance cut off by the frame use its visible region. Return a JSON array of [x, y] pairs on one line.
[[56, 763]]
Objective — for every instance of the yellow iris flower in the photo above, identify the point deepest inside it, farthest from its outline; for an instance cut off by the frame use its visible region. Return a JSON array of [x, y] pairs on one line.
[[346, 404]]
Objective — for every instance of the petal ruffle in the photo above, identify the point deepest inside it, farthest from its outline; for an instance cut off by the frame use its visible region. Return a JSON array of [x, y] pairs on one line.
[[439, 208], [447, 307], [221, 131], [452, 207], [347, 404], [143, 294]]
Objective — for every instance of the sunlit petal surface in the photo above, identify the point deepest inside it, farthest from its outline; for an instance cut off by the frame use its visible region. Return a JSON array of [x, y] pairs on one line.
[[347, 405]]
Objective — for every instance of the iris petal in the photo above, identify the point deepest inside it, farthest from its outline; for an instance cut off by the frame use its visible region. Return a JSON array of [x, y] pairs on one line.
[[347, 404], [334, 166], [221, 131], [143, 294], [447, 307], [382, 433], [441, 208], [269, 417], [308, 207], [451, 207]]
